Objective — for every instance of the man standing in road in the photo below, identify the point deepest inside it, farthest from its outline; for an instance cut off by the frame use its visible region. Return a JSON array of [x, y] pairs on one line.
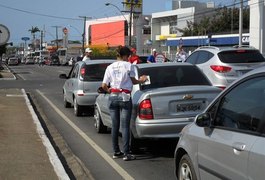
[[151, 58], [87, 56], [121, 77], [134, 58]]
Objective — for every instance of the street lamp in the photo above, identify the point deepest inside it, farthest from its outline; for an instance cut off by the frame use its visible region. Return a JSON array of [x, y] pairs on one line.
[[110, 4], [126, 21]]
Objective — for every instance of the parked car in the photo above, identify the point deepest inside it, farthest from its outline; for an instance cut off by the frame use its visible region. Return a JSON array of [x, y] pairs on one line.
[[224, 65], [227, 140], [175, 94], [80, 88], [30, 60], [13, 61]]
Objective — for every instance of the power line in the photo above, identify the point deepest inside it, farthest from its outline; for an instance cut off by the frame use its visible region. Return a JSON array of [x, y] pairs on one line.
[[39, 14]]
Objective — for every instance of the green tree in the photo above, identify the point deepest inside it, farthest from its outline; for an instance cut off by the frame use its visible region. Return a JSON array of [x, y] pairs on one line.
[[223, 21], [33, 32]]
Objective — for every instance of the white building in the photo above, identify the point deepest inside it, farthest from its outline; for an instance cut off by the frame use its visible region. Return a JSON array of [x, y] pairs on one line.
[[257, 24], [168, 24]]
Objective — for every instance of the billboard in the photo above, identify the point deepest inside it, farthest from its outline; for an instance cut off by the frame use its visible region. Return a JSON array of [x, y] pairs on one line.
[[111, 33]]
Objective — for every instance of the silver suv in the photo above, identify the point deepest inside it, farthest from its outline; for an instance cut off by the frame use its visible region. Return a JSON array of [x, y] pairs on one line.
[[227, 141], [80, 88], [224, 65]]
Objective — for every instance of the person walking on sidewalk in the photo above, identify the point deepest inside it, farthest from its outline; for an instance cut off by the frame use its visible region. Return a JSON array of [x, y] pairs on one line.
[[121, 77]]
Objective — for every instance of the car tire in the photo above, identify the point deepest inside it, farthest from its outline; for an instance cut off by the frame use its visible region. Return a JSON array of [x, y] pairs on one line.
[[100, 127], [77, 108], [66, 103], [186, 169], [134, 144]]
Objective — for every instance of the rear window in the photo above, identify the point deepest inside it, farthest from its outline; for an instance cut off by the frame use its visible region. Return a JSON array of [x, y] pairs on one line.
[[95, 72], [241, 56], [173, 76]]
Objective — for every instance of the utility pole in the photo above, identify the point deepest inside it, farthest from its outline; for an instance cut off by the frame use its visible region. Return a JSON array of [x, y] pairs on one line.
[[84, 32], [131, 4], [41, 39], [240, 23], [56, 28]]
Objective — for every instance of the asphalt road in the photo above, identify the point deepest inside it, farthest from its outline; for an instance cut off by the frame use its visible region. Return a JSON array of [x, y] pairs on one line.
[[94, 150]]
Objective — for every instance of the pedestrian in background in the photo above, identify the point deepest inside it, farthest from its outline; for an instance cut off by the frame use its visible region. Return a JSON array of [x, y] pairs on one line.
[[134, 58], [121, 77], [151, 58], [88, 53], [181, 55]]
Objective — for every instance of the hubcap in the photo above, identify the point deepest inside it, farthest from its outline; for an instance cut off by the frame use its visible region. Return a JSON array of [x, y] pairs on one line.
[[185, 172], [75, 105], [96, 118]]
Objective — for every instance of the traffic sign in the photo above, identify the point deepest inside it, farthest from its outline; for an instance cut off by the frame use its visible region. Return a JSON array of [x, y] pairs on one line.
[[160, 58], [4, 34], [25, 38]]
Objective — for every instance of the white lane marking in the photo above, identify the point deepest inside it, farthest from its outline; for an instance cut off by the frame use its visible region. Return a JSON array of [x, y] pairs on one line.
[[61, 72], [14, 95], [92, 143], [56, 163], [23, 78]]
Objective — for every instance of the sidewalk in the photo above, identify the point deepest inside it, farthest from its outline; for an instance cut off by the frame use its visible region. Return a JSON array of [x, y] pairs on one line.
[[24, 152], [5, 74]]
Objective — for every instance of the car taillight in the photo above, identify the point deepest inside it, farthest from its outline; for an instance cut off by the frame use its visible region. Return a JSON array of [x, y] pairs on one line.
[[221, 69], [80, 93], [83, 72], [145, 110]]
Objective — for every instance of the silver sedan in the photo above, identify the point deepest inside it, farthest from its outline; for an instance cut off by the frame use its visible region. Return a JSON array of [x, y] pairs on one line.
[[171, 99]]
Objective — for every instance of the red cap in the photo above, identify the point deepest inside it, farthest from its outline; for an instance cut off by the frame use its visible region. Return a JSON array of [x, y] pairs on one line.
[[133, 50]]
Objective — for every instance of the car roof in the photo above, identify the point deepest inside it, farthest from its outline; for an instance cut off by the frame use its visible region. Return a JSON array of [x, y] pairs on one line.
[[219, 49], [98, 61], [147, 65]]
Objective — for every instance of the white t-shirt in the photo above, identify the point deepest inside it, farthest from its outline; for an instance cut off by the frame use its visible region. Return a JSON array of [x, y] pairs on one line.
[[119, 74], [86, 58]]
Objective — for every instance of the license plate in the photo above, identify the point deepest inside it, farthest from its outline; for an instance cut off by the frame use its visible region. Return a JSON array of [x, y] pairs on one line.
[[188, 107]]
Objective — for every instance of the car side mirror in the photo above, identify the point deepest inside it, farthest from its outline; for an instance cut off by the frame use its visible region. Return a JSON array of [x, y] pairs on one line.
[[102, 91], [203, 120], [63, 76]]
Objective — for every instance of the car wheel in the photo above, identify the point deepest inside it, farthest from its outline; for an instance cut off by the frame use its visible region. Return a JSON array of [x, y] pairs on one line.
[[186, 170], [77, 108], [134, 144], [66, 103], [100, 127]]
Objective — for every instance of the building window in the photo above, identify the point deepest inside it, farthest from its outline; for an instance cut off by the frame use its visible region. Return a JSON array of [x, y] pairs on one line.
[[173, 27], [146, 30]]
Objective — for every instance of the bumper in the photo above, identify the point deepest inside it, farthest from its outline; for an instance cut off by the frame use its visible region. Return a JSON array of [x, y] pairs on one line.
[[168, 129], [88, 99]]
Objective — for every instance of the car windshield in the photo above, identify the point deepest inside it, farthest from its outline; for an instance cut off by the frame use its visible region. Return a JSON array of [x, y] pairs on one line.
[[95, 72], [173, 76], [241, 56]]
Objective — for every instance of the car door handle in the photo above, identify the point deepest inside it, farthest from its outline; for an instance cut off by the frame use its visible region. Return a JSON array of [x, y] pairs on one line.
[[238, 146]]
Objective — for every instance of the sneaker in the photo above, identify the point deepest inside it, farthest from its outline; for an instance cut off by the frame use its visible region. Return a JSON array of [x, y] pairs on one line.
[[129, 157], [117, 155]]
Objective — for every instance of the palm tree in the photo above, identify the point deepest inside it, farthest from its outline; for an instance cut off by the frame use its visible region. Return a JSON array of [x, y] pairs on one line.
[[33, 31]]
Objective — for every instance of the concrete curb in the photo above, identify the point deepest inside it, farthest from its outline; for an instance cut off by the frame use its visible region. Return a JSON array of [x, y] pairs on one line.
[[8, 71], [54, 159]]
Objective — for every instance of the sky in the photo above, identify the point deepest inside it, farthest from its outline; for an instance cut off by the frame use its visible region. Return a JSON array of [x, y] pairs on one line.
[[20, 15]]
